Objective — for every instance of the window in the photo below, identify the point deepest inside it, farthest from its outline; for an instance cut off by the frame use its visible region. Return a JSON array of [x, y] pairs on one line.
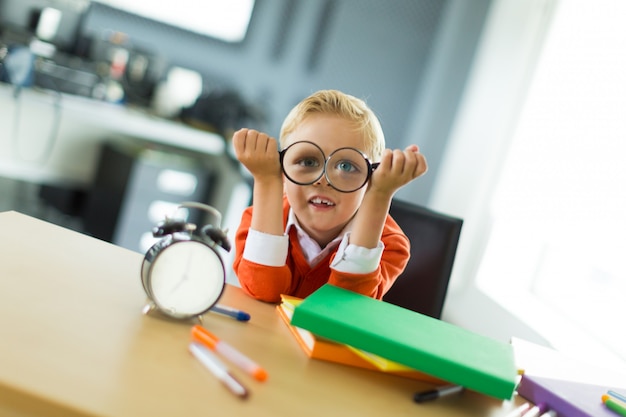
[[559, 209], [536, 170], [225, 20]]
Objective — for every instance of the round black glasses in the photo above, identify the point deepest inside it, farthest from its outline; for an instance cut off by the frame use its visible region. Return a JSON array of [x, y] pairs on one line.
[[346, 169]]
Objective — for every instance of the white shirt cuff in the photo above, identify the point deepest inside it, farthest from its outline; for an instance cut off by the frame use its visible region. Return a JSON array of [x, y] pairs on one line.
[[265, 249], [357, 259]]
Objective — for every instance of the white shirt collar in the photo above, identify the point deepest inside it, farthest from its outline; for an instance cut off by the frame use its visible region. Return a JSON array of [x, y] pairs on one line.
[[312, 250]]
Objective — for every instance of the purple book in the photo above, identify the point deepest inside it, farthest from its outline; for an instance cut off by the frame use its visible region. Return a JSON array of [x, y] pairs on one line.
[[567, 398]]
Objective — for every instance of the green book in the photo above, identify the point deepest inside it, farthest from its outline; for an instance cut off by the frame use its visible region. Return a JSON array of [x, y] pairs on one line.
[[421, 342]]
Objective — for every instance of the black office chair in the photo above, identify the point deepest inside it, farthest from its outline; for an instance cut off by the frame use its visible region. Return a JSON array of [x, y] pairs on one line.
[[434, 237]]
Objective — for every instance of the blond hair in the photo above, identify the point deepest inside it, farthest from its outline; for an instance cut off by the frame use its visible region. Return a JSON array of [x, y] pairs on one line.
[[352, 109]]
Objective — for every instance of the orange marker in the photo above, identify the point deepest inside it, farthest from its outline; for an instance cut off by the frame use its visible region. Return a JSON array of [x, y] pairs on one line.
[[202, 335]]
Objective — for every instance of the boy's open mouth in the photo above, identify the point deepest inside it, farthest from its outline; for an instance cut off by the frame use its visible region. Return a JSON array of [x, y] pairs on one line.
[[321, 202]]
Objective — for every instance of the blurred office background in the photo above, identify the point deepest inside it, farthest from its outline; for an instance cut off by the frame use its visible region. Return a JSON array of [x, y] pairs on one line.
[[111, 115]]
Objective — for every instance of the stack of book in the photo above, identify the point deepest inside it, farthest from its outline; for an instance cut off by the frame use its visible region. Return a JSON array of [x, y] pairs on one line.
[[317, 347], [567, 397], [343, 326], [569, 386]]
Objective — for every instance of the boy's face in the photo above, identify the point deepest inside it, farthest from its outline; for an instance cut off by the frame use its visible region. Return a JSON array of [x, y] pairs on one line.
[[321, 210]]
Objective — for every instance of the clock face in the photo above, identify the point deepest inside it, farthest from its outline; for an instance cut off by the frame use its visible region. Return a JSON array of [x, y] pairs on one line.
[[186, 278]]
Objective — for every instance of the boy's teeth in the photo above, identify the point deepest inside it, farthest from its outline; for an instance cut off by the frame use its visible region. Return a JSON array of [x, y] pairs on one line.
[[320, 201]]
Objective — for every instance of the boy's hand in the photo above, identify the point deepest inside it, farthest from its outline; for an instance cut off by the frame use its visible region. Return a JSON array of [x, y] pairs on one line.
[[258, 152], [397, 168]]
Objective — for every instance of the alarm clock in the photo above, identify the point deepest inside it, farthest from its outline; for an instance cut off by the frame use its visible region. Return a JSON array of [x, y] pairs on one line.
[[183, 274]]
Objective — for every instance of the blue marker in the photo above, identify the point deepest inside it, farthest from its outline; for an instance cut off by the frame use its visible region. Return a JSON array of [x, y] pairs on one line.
[[231, 312], [617, 395]]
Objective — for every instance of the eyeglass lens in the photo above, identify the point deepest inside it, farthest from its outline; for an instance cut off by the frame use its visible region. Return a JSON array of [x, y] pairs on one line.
[[346, 169]]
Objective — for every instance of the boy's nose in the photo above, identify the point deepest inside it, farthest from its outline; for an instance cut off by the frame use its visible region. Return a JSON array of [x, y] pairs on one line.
[[322, 181]]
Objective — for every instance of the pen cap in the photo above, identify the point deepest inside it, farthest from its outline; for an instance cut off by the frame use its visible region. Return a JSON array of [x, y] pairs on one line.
[[421, 397], [198, 333]]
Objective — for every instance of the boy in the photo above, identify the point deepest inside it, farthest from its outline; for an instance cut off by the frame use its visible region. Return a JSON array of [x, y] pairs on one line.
[[320, 207]]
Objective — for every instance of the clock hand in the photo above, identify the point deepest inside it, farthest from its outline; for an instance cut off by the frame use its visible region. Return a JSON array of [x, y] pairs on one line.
[[188, 265], [185, 274]]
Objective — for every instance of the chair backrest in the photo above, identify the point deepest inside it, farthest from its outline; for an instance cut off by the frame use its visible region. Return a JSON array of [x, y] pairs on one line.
[[434, 237]]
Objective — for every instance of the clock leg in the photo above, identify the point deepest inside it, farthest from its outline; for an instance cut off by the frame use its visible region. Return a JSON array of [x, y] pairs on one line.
[[148, 307]]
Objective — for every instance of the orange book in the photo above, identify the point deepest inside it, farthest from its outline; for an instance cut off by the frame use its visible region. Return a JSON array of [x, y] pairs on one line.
[[320, 348]]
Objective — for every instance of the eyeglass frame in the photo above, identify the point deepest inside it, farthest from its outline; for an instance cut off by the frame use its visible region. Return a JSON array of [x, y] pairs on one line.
[[370, 165]]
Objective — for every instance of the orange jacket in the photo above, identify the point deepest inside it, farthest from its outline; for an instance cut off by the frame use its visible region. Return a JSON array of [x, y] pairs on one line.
[[298, 279]]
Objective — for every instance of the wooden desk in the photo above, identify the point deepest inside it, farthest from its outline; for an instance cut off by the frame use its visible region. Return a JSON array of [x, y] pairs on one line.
[[74, 343]]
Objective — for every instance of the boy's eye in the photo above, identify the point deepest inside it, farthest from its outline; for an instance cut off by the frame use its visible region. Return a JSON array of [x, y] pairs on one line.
[[309, 162], [346, 166]]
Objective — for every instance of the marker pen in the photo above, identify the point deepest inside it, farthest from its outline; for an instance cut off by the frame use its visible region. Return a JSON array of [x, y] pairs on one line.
[[519, 411], [437, 393]]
